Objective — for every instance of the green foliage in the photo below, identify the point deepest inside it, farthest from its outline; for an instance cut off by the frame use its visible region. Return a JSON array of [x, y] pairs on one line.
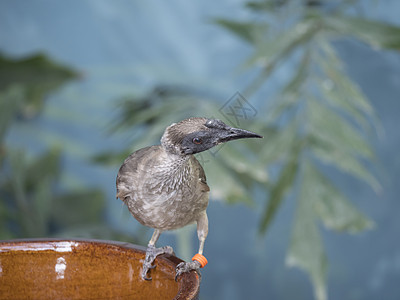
[[10, 102], [34, 207], [36, 76], [306, 250], [328, 119], [377, 34], [248, 31], [33, 202], [281, 187]]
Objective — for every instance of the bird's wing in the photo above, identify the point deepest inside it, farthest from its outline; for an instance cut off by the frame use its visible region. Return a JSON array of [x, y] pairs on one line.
[[201, 174], [128, 172]]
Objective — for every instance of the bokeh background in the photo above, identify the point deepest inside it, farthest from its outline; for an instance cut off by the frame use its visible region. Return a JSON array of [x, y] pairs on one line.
[[309, 212]]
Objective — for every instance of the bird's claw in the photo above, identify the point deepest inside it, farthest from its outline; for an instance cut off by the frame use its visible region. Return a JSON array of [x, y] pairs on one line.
[[147, 278], [151, 254], [184, 267], [146, 269]]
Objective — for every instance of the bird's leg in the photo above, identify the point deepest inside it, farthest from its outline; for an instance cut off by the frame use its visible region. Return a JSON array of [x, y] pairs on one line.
[[152, 252], [198, 261]]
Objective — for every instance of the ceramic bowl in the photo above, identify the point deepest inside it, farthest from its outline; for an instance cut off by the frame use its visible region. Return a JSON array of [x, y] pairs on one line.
[[87, 269]]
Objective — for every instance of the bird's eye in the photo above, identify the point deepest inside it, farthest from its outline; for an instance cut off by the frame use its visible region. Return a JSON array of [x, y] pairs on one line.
[[197, 141]]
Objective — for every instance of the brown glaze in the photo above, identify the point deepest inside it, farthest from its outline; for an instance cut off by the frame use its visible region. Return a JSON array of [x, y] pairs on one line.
[[87, 269]]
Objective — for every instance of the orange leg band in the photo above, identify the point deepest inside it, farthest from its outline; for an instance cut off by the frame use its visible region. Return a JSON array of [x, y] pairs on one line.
[[201, 259]]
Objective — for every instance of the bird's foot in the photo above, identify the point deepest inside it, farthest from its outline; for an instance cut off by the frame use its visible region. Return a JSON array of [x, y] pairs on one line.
[[151, 254], [184, 267], [198, 261]]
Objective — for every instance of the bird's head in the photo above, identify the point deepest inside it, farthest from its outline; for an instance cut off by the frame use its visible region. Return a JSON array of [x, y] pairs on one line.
[[195, 135]]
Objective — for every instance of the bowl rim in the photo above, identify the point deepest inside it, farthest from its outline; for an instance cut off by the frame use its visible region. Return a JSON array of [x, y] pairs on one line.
[[188, 283]]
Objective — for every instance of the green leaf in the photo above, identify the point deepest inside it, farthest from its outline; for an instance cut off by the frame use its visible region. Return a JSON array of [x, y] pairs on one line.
[[32, 69], [332, 68], [224, 185], [335, 211], [44, 166], [37, 74], [346, 163], [258, 6], [17, 178], [284, 43], [138, 112], [20, 194], [10, 102], [293, 88], [335, 142], [274, 50], [375, 33], [30, 186], [41, 206], [279, 142], [291, 94], [357, 109], [280, 188], [331, 128], [334, 97], [306, 250], [153, 107], [238, 162], [248, 31]]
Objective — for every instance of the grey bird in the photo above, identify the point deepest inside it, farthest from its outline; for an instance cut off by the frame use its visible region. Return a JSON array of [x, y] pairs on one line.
[[165, 187]]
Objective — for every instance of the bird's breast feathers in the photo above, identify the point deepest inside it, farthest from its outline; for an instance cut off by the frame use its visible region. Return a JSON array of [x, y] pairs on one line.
[[151, 177]]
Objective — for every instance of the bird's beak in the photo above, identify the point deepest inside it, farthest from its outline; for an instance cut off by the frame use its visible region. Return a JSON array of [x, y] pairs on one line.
[[231, 134]]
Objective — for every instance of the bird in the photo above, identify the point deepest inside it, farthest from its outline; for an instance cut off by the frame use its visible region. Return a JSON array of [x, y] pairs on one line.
[[164, 186]]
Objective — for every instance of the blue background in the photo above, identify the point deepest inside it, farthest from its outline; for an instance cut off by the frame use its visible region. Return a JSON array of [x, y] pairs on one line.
[[122, 47]]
